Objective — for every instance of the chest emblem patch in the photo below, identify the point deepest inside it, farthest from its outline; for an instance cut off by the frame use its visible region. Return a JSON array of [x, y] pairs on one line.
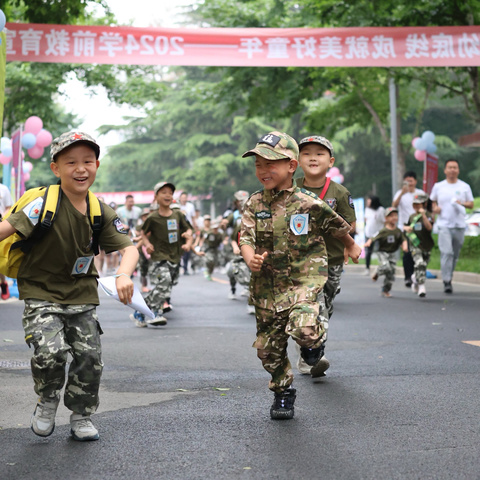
[[299, 224]]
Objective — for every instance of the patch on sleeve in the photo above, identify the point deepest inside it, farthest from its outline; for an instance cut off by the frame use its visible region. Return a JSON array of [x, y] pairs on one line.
[[350, 202], [119, 226], [331, 202], [33, 209]]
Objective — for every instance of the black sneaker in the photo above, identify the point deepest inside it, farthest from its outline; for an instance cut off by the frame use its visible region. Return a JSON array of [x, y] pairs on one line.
[[282, 408], [312, 355], [447, 287]]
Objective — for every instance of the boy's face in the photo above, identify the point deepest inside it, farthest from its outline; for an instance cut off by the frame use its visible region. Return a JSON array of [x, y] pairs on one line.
[[392, 219], [164, 196], [315, 160], [77, 168], [275, 174]]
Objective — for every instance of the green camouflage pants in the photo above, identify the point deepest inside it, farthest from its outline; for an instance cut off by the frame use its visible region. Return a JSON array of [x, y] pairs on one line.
[[328, 294], [386, 266], [237, 271], [273, 331], [143, 264], [211, 260], [54, 330], [163, 276], [420, 261]]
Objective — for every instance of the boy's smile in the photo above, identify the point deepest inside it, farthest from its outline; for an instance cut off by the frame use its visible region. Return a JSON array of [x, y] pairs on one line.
[[275, 174]]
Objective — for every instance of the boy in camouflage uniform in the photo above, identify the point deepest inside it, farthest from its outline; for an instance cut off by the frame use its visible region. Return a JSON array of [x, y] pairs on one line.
[[316, 158], [282, 244], [419, 231], [162, 234], [58, 281], [388, 239], [212, 241]]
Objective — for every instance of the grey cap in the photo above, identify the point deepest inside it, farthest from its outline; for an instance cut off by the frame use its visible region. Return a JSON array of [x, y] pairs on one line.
[[67, 139], [316, 139], [420, 198], [160, 185]]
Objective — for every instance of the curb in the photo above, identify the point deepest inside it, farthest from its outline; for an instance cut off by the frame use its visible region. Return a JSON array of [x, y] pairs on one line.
[[462, 277]]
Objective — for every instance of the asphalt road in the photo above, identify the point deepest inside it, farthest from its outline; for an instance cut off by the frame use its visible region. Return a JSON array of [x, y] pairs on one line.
[[190, 400]]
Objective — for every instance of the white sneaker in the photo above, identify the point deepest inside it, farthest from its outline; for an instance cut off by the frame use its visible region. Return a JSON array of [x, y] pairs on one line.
[[158, 320], [414, 286], [232, 296], [245, 292], [421, 291], [302, 367], [250, 309], [82, 428], [366, 272], [43, 418]]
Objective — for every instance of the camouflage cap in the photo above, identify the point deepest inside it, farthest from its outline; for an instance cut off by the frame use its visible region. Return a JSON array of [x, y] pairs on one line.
[[241, 196], [275, 146], [316, 139], [207, 217], [160, 185], [146, 211], [66, 139], [420, 198], [390, 210]]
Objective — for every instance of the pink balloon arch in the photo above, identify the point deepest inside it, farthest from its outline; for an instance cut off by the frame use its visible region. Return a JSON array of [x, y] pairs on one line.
[[32, 137]]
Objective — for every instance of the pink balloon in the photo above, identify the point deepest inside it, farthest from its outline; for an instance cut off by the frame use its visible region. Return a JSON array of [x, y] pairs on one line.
[[27, 167], [44, 138], [35, 152], [4, 160], [333, 172], [420, 155], [33, 125], [26, 177]]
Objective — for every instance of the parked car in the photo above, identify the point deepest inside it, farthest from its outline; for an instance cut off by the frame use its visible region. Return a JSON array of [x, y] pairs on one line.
[[473, 223]]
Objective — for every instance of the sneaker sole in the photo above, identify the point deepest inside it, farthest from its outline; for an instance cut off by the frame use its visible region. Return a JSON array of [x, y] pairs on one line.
[[84, 439], [42, 434], [156, 323], [422, 295], [281, 414]]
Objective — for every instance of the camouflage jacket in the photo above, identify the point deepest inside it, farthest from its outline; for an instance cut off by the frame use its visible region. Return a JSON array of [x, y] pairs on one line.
[[288, 225]]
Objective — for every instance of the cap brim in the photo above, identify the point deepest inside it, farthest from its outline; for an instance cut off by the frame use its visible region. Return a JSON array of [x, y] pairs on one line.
[[95, 147], [171, 185], [265, 152]]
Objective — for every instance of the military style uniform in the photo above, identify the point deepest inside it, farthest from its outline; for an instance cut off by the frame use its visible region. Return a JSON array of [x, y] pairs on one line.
[[57, 280], [422, 247], [211, 243], [164, 269], [339, 199], [289, 225], [388, 242], [237, 269]]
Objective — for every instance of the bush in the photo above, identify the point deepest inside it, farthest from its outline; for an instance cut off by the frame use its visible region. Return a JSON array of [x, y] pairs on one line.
[[469, 260]]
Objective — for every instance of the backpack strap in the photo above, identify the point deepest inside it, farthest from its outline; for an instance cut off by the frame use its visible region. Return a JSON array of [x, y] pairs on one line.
[[51, 204], [95, 215]]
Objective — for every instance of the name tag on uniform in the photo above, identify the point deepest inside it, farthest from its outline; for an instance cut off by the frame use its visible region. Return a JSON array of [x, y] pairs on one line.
[[172, 225], [418, 227], [299, 224], [391, 239], [82, 265], [172, 237]]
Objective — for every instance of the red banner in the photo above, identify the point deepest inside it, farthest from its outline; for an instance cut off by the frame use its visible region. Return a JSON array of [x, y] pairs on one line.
[[246, 47], [430, 173]]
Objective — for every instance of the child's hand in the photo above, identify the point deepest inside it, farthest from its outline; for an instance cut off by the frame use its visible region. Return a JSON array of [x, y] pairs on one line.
[[256, 262], [124, 286], [407, 228], [353, 251]]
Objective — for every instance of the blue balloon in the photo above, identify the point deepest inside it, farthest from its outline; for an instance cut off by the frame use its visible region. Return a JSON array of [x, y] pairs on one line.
[[7, 151], [431, 148], [28, 140], [3, 20], [428, 136], [421, 144]]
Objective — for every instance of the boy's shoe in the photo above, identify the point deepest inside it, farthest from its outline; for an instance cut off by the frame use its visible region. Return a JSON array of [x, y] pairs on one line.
[[158, 320], [139, 319], [421, 291], [312, 355], [302, 367], [82, 428], [5, 295], [232, 296], [414, 284], [166, 307], [447, 287], [208, 277], [43, 418], [250, 309], [375, 277], [366, 272], [319, 369], [245, 292], [386, 294], [282, 408]]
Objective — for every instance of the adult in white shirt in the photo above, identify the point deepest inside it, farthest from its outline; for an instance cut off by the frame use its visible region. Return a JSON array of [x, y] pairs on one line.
[[403, 202], [450, 197], [129, 214], [374, 222]]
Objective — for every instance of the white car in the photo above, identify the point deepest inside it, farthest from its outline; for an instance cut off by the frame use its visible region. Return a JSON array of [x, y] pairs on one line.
[[473, 223]]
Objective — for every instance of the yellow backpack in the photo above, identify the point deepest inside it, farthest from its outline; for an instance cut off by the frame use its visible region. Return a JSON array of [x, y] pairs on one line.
[[14, 247]]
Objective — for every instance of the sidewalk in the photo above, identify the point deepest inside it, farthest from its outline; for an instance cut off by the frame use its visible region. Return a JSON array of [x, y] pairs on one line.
[[460, 277]]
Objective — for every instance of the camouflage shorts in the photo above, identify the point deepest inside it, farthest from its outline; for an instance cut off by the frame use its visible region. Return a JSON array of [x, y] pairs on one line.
[[238, 271], [163, 276], [54, 330]]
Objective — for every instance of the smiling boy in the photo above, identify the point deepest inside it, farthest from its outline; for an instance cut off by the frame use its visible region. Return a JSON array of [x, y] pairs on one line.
[[316, 158], [60, 299], [282, 243]]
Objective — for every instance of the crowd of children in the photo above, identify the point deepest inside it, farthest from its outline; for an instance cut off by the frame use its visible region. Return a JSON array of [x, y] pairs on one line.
[[287, 243]]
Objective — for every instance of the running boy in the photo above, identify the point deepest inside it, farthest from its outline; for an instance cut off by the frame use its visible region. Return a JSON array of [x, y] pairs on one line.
[[58, 281], [316, 158], [282, 244], [389, 239], [161, 234], [419, 231]]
